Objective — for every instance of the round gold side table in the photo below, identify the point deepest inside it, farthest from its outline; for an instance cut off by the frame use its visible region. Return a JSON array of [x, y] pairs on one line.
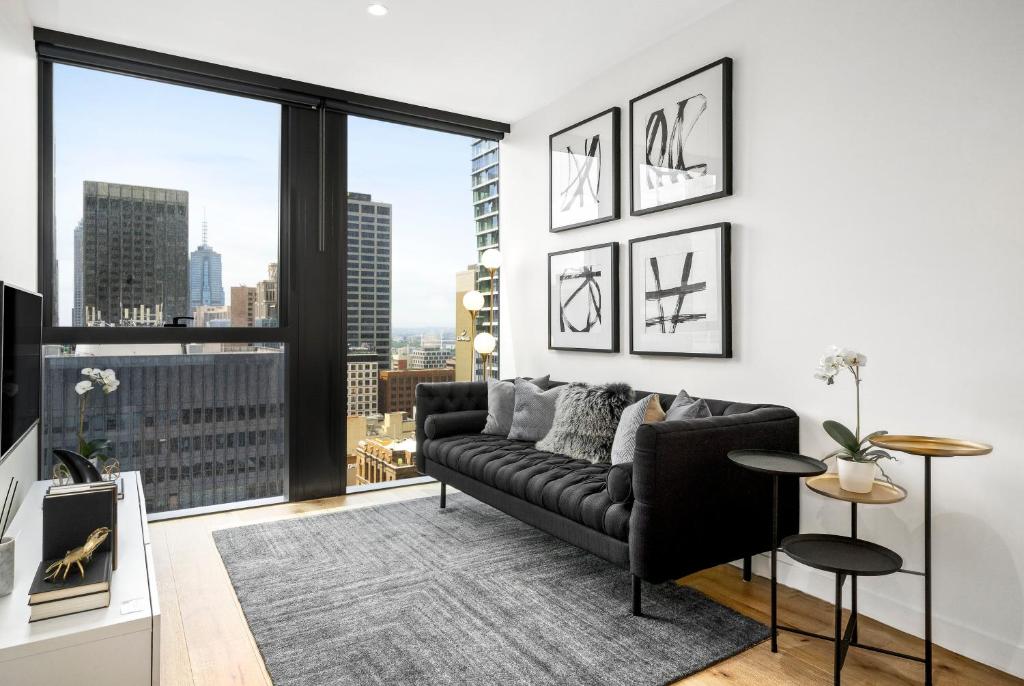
[[929, 447]]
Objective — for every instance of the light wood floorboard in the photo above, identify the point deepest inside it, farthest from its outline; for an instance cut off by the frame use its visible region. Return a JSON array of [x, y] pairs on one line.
[[205, 640]]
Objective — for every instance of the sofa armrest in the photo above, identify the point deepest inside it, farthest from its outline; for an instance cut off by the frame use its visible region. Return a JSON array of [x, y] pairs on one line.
[[455, 423], [693, 508], [440, 398], [620, 483]]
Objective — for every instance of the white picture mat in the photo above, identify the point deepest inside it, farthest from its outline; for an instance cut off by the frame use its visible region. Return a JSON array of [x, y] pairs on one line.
[[565, 167], [705, 144], [601, 335], [702, 336]]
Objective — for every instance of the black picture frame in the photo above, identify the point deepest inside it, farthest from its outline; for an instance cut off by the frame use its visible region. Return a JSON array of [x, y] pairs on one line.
[[725, 291], [615, 113], [613, 346], [726, 143]]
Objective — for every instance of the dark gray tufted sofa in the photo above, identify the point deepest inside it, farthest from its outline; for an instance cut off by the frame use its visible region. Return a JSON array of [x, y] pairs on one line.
[[680, 506]]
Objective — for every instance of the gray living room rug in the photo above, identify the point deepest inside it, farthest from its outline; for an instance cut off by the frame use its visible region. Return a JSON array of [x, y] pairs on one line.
[[405, 593]]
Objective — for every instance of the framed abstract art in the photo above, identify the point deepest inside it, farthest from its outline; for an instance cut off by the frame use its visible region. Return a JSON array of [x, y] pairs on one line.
[[679, 293], [583, 299], [583, 172], [680, 141]]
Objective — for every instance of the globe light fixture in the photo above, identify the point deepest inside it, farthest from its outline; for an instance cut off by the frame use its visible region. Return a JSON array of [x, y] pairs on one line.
[[485, 343], [473, 301], [491, 259], [377, 10]]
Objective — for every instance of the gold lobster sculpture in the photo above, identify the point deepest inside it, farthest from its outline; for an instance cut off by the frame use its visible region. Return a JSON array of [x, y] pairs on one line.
[[77, 556]]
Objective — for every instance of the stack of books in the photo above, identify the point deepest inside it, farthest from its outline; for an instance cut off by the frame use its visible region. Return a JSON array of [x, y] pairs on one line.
[[65, 596]]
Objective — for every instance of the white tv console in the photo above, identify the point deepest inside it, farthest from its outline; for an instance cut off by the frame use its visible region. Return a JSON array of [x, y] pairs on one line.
[[114, 646]]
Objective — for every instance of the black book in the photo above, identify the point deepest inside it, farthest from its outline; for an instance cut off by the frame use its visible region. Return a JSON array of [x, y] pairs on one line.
[[96, 580], [69, 518], [69, 606]]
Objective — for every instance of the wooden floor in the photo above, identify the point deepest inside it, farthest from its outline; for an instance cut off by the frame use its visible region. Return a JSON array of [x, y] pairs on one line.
[[205, 640]]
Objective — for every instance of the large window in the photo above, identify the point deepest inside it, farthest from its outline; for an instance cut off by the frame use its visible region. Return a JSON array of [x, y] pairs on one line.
[[166, 206], [165, 203], [250, 258], [410, 236]]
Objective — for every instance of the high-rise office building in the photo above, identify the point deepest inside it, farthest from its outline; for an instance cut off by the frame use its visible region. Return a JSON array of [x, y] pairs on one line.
[[363, 367], [434, 357], [484, 155], [398, 387], [204, 268], [369, 276], [77, 308], [134, 254], [465, 281], [195, 444], [243, 306], [267, 304]]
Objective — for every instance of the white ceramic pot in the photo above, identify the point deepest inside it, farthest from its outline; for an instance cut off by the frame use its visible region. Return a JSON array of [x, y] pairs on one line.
[[857, 477]]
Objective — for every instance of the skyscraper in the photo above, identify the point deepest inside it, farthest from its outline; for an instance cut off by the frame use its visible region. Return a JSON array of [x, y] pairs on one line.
[[267, 303], [369, 276], [243, 306], [78, 309], [485, 217], [134, 253], [204, 269]]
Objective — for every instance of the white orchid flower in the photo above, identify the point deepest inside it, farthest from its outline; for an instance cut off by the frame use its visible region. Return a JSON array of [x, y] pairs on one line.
[[87, 371], [83, 387]]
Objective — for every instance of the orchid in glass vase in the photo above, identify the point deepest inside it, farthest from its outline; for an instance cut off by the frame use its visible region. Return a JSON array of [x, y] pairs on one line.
[[105, 380], [857, 457]]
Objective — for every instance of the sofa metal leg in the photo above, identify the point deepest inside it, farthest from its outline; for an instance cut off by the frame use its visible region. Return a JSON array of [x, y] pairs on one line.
[[444, 495], [636, 597], [746, 568]]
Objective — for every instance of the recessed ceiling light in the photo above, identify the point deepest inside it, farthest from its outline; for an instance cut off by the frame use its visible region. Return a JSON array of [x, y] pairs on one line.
[[377, 10]]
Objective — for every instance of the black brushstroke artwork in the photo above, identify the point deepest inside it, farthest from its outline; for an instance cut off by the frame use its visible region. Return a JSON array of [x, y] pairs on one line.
[[680, 292], [584, 182], [665, 149], [583, 284]]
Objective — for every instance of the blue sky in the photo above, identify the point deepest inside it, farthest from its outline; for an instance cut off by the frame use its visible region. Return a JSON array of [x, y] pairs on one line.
[[224, 151]]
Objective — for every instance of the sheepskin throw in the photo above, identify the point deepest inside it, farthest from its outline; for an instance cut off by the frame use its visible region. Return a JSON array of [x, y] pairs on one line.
[[643, 411], [585, 421]]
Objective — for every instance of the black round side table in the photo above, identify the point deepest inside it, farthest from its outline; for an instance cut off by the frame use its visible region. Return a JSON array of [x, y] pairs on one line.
[[844, 557], [777, 463]]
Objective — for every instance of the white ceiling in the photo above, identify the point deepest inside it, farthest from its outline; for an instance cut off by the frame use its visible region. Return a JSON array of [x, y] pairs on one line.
[[500, 59]]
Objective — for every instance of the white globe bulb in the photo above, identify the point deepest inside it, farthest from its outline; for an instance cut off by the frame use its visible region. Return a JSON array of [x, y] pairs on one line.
[[473, 301], [485, 343], [491, 259]]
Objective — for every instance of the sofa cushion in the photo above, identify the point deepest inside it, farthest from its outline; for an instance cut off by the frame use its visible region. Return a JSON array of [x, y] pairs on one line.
[[534, 411], [585, 420], [643, 411], [501, 402], [685, 407], [573, 488]]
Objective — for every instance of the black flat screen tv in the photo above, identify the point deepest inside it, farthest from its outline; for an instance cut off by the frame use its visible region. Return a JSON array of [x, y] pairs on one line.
[[21, 331]]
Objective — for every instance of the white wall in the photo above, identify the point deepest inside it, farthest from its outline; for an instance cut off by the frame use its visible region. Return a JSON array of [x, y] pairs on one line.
[[879, 171], [18, 190]]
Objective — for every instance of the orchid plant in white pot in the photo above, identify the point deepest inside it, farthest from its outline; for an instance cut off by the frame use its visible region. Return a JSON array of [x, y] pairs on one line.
[[106, 380], [857, 458]]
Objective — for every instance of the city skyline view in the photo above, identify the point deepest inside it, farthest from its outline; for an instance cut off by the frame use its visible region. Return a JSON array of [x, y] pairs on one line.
[[224, 152]]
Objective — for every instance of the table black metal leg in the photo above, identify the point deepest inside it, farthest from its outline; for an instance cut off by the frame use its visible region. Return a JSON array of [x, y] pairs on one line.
[[853, 581], [838, 664], [927, 570], [775, 547]]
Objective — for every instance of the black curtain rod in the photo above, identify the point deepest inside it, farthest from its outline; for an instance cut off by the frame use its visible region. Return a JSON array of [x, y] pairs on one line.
[[67, 48]]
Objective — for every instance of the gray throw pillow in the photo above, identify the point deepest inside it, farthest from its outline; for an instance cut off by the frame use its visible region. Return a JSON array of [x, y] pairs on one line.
[[685, 407], [586, 418], [501, 401], [644, 411], [534, 411]]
